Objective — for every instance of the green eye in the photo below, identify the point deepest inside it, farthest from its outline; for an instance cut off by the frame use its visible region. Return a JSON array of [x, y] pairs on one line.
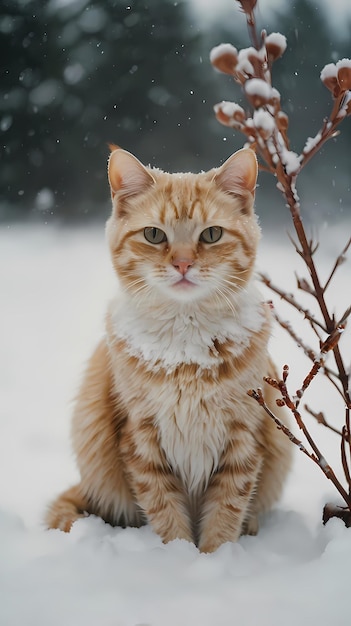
[[211, 234], [154, 235]]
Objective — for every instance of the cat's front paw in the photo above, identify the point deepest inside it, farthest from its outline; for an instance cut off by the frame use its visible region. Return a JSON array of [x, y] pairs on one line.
[[211, 544], [250, 526], [209, 547], [178, 534]]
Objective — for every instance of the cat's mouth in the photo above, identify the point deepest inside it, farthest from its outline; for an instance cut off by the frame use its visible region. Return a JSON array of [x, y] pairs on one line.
[[186, 289], [184, 283]]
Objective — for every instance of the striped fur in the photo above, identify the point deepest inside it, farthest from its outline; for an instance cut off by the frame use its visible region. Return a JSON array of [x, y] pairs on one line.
[[163, 430]]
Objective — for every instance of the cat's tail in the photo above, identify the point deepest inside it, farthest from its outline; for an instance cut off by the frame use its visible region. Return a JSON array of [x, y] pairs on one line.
[[66, 509]]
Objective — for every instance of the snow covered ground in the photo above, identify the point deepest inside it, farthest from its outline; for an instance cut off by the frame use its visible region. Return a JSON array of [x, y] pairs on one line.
[[54, 284]]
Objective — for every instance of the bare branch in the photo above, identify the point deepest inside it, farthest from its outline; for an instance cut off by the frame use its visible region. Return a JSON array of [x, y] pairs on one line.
[[328, 130], [341, 259], [343, 319], [271, 142], [320, 417], [290, 299], [332, 510], [348, 433], [344, 461], [292, 406], [257, 395], [299, 342], [304, 285], [316, 456], [247, 7]]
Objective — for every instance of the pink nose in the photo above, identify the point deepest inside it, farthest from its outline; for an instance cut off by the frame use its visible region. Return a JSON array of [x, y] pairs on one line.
[[182, 265]]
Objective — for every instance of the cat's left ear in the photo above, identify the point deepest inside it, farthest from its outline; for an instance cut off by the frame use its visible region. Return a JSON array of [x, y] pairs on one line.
[[239, 173], [127, 176]]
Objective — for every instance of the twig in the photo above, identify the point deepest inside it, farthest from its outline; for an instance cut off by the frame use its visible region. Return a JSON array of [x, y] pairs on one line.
[[308, 352], [341, 259], [320, 418], [258, 396], [348, 432], [317, 457], [292, 406], [332, 510], [345, 465], [290, 299], [248, 8], [299, 342]]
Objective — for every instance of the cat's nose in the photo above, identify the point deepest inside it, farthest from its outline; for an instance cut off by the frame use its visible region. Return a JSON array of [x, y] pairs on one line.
[[182, 265]]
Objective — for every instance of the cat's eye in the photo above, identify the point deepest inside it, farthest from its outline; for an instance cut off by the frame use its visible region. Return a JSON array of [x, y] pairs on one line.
[[211, 234], [154, 235]]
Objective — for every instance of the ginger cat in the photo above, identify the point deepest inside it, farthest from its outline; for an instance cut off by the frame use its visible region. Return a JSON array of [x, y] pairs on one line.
[[163, 430]]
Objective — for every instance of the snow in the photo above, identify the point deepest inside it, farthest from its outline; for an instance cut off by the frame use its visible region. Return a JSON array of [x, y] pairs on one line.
[[278, 40], [275, 94], [328, 71], [244, 64], [343, 63], [221, 50], [265, 121], [231, 109], [258, 87], [311, 142], [230, 113], [291, 161], [54, 285], [224, 58]]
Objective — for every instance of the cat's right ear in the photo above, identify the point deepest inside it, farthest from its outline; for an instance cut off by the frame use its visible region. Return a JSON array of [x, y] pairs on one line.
[[127, 176], [238, 174]]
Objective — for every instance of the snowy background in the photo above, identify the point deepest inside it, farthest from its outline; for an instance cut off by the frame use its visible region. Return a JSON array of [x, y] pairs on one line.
[[54, 287], [78, 75]]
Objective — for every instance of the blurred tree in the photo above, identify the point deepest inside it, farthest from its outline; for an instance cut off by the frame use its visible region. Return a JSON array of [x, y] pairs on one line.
[[80, 74]]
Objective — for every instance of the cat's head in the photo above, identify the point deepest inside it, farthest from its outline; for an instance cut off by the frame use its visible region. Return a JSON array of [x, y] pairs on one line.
[[183, 237]]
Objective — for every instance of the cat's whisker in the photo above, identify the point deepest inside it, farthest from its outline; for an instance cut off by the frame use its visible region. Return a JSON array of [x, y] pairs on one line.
[[243, 271], [234, 280], [136, 282], [230, 286], [139, 293], [219, 300], [227, 300], [142, 294], [130, 286]]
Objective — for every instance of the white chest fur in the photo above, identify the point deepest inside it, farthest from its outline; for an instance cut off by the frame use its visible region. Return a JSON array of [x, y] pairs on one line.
[[169, 336]]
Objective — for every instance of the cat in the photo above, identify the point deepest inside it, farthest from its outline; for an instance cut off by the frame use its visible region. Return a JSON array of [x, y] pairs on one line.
[[163, 429]]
